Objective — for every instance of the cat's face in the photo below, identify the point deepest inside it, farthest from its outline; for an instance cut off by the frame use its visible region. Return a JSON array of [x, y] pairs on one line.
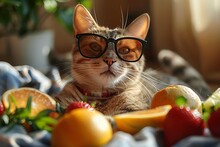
[[99, 64]]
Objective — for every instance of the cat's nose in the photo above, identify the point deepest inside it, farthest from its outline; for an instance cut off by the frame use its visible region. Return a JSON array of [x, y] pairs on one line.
[[109, 61], [110, 56]]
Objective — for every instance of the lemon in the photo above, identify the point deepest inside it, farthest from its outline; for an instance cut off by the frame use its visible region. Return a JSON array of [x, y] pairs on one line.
[[132, 122], [212, 100], [82, 128]]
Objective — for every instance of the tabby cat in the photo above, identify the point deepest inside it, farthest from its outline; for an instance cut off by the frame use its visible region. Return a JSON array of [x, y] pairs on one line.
[[108, 67]]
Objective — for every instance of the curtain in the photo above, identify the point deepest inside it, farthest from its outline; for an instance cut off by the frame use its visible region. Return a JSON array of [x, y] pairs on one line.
[[193, 31]]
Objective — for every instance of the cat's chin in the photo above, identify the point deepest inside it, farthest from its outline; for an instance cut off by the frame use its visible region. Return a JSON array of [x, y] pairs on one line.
[[110, 76], [108, 73]]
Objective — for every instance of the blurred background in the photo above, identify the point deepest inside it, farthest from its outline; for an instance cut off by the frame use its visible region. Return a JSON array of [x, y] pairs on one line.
[[189, 27]]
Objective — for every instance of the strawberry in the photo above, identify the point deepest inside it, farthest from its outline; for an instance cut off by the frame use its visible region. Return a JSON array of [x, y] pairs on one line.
[[80, 104], [2, 108], [181, 122], [213, 123]]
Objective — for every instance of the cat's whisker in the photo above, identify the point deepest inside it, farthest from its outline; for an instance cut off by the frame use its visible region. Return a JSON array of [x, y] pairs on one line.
[[94, 11], [126, 20], [86, 68], [149, 77], [122, 18], [146, 89], [63, 64], [151, 80], [85, 63]]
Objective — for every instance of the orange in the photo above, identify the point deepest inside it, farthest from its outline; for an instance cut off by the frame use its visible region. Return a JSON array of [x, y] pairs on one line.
[[133, 122], [82, 128], [169, 95], [40, 100]]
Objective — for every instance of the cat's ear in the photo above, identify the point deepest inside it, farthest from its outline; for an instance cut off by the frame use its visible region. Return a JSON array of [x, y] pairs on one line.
[[139, 27], [82, 20]]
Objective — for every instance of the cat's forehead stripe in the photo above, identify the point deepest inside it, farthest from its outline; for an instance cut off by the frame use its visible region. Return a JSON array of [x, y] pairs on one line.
[[109, 33], [113, 34]]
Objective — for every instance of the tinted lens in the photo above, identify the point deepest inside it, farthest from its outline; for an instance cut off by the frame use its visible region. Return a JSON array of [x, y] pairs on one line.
[[129, 49], [91, 46]]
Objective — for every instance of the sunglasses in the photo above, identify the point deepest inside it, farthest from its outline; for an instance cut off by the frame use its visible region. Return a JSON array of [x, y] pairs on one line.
[[94, 46]]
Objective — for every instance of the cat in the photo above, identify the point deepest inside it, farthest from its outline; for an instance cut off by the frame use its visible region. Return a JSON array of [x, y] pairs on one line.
[[108, 67]]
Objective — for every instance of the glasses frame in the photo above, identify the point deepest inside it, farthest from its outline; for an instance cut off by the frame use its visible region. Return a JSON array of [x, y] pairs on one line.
[[143, 43]]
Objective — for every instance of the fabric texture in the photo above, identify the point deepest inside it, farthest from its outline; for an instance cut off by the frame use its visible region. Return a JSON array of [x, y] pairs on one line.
[[21, 76]]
